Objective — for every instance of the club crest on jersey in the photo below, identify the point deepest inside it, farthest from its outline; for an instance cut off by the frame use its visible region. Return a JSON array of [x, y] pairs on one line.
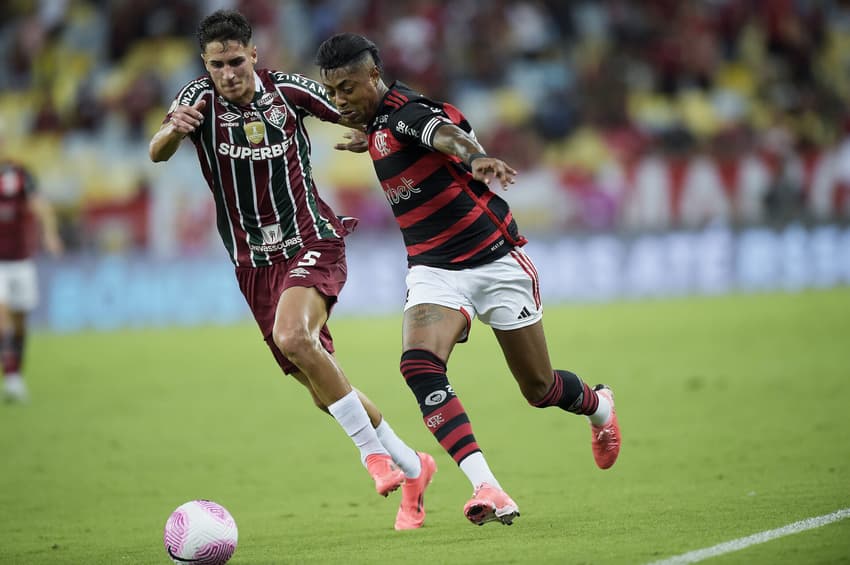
[[275, 117], [272, 234], [380, 142], [255, 132]]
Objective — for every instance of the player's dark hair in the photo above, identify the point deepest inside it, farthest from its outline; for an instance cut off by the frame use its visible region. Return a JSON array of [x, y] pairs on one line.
[[344, 49], [222, 26]]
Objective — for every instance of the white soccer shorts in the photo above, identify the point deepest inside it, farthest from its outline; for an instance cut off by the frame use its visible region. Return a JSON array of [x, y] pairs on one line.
[[504, 294], [18, 285]]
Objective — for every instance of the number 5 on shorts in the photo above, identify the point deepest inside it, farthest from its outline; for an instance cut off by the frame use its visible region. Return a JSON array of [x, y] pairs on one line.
[[310, 258]]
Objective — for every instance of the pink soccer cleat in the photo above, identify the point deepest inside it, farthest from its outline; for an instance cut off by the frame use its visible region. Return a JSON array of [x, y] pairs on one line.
[[411, 511], [388, 477], [606, 438], [489, 504]]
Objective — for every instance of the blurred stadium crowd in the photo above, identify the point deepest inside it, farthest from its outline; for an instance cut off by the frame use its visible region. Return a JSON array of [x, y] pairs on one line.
[[621, 115]]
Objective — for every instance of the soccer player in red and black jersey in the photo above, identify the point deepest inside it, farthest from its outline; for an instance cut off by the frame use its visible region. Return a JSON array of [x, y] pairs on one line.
[[465, 259], [20, 205], [247, 126]]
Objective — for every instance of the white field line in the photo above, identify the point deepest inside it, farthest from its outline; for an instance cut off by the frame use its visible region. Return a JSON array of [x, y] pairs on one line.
[[755, 539]]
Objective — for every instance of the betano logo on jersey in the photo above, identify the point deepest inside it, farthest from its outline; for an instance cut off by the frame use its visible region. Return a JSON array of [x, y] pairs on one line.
[[254, 153], [404, 191]]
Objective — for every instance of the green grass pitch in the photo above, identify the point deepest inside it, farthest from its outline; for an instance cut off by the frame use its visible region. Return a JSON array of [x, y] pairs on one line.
[[735, 414]]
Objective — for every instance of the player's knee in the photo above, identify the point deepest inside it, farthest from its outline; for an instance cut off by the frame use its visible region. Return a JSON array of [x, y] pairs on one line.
[[294, 343]]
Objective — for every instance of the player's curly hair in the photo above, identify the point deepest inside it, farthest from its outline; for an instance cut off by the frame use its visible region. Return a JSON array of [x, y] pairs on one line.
[[344, 49], [224, 25]]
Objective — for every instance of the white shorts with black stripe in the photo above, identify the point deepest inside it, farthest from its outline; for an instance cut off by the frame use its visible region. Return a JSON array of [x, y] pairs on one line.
[[504, 294]]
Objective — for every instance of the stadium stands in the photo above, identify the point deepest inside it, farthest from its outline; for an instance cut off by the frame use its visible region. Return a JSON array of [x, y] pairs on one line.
[[620, 115]]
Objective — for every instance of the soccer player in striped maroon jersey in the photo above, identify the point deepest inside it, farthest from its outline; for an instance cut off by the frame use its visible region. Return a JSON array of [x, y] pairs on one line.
[[20, 205], [247, 126], [465, 259]]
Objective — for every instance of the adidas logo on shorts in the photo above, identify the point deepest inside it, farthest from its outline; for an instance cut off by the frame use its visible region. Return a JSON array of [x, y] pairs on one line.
[[523, 314]]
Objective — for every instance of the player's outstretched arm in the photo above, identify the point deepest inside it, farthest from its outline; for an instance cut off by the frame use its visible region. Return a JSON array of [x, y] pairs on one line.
[[452, 140], [184, 120]]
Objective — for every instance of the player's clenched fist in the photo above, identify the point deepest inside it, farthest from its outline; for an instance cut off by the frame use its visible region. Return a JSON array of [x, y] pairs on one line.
[[186, 119]]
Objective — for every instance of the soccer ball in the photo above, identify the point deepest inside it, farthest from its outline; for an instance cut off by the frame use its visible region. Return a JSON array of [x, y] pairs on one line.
[[202, 532]]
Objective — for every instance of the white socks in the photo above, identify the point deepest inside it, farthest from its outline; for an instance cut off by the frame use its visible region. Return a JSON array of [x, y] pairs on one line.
[[603, 411], [351, 415], [477, 471], [401, 453]]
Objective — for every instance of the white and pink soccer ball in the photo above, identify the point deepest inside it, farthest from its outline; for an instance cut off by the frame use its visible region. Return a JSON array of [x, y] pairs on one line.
[[201, 532]]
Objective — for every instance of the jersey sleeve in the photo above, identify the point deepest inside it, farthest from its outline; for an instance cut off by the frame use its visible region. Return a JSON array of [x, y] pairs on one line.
[[416, 122], [308, 96]]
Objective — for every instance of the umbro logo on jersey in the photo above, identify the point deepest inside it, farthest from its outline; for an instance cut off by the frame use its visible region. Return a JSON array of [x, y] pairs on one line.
[[229, 120], [299, 273], [523, 314]]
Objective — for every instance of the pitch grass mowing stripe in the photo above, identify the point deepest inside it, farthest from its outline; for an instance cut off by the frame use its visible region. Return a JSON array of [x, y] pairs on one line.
[[755, 539]]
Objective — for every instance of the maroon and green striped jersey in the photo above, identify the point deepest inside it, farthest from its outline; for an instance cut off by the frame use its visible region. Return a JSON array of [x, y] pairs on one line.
[[447, 218], [17, 237], [256, 161]]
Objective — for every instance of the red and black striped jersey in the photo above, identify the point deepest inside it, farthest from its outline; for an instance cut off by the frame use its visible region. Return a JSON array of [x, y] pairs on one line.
[[17, 238], [447, 218], [256, 161]]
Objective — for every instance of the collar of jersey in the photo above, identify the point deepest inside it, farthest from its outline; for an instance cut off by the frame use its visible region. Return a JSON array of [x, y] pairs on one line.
[[259, 90]]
